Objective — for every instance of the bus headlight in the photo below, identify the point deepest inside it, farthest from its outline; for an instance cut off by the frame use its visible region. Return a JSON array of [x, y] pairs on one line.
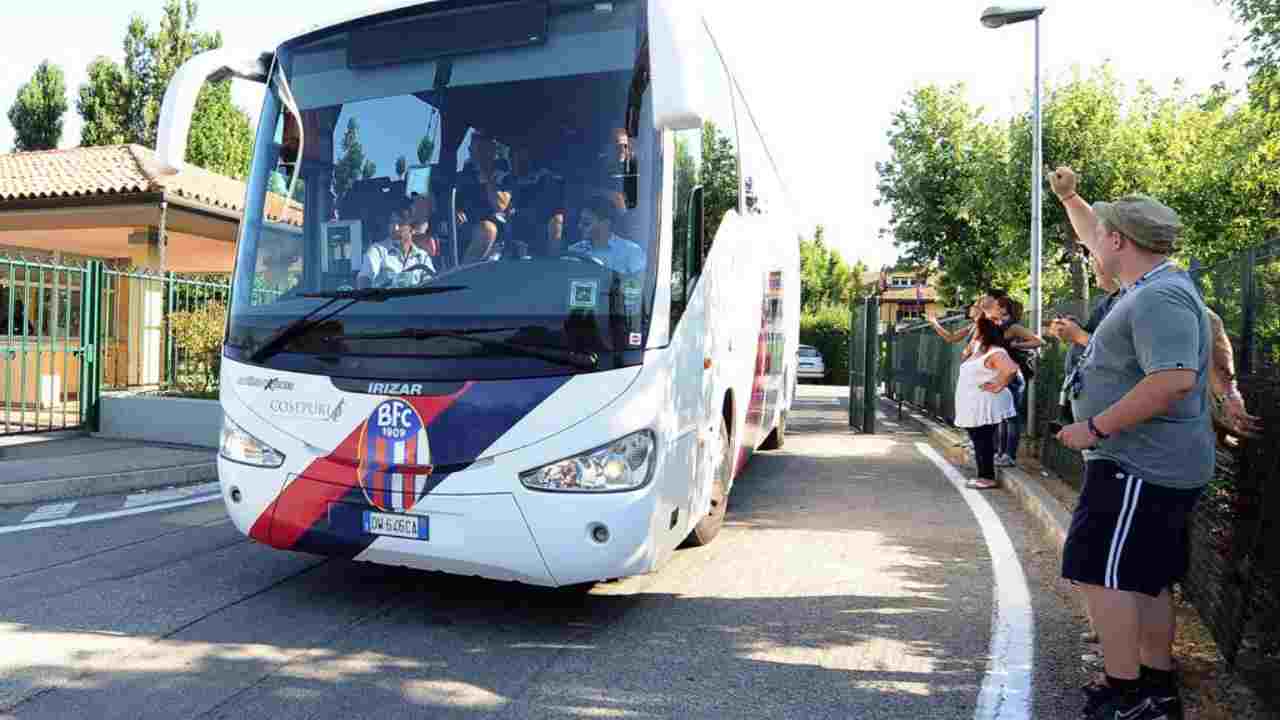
[[624, 464], [239, 446]]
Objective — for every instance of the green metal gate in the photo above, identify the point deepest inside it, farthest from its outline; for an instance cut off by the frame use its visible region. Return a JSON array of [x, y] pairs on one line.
[[48, 330], [68, 332], [864, 363]]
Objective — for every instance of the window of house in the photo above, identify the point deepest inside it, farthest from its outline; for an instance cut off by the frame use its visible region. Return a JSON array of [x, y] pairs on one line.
[[910, 312]]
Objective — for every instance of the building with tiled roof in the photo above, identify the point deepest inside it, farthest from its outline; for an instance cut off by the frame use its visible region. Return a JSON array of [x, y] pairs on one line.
[[906, 294], [111, 202]]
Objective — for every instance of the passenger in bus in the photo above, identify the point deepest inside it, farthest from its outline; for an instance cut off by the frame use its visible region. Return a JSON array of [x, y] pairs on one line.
[[617, 179], [421, 212], [488, 234], [554, 238], [396, 261], [595, 226], [479, 194]]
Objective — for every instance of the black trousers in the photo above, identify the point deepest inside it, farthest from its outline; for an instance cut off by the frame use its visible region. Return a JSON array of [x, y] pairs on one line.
[[984, 449]]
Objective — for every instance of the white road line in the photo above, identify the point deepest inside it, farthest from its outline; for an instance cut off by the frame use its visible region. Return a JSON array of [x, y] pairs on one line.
[[1006, 687], [27, 527], [50, 512]]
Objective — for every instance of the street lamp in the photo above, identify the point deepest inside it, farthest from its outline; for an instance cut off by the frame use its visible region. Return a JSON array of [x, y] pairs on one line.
[[997, 17]]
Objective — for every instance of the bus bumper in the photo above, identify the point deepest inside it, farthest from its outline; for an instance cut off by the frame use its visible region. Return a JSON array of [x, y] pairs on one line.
[[538, 538]]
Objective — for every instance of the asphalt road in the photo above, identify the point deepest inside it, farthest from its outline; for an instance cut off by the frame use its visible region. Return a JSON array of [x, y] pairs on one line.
[[851, 581]]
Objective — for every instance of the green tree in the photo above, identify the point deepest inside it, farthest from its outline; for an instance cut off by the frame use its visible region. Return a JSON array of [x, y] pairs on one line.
[[121, 103], [36, 115], [103, 104], [825, 278], [1261, 19], [943, 187], [221, 139], [352, 162]]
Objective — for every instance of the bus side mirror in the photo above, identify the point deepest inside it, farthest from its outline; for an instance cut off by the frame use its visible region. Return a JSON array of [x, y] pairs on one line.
[[676, 79], [694, 251], [184, 88], [289, 142]]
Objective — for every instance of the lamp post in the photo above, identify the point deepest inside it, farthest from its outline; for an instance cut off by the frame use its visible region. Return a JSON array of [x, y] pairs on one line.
[[996, 17]]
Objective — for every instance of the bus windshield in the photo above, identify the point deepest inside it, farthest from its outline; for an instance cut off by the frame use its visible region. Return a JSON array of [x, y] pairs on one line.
[[521, 180]]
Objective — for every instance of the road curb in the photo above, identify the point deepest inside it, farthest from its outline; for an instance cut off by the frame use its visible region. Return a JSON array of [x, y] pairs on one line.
[[1052, 519], [36, 491]]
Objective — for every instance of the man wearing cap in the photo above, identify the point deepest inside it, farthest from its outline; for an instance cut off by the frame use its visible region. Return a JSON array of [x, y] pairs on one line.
[[1138, 395]]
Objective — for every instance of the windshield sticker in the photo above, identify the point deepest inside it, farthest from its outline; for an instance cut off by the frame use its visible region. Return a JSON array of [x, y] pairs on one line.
[[635, 339], [631, 297], [582, 294]]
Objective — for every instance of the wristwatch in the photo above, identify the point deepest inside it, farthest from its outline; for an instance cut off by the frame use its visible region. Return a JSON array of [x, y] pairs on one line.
[[1096, 432]]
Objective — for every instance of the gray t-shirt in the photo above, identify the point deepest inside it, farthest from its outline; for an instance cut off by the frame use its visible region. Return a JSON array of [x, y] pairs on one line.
[[1159, 324]]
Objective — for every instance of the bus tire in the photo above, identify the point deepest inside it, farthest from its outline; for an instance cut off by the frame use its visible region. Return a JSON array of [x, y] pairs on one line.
[[778, 437], [709, 526]]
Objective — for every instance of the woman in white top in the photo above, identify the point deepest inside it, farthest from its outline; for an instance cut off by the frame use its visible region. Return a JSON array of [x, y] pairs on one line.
[[983, 399]]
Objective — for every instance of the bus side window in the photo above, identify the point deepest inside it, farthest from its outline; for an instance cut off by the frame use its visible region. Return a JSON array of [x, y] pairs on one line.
[[687, 225], [720, 142]]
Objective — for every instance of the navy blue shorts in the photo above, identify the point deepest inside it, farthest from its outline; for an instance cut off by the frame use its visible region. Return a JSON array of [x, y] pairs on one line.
[[1127, 534]]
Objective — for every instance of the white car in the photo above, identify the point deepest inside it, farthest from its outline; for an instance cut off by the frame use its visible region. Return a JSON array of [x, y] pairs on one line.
[[810, 366]]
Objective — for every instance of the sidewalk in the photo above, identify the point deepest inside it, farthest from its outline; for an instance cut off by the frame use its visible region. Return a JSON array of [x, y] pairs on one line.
[[1052, 518], [56, 466]]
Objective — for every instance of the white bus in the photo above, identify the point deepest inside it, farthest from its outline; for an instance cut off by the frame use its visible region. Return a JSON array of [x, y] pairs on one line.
[[541, 301]]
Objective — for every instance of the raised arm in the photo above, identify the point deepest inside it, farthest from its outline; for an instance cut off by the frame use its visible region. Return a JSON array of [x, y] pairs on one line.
[[1083, 220], [951, 336], [1020, 338], [1229, 408]]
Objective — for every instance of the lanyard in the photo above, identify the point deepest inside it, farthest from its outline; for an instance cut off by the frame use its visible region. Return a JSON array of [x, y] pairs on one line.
[[1147, 275], [1073, 375]]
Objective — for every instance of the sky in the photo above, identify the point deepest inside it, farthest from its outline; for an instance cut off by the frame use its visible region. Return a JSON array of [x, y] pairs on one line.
[[823, 77]]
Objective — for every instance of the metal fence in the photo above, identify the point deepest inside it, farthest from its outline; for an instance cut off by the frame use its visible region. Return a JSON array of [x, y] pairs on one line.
[[922, 368], [1234, 580], [864, 369], [68, 331], [1235, 562]]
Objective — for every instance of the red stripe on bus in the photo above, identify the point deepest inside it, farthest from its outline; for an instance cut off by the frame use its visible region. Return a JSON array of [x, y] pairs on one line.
[[306, 500]]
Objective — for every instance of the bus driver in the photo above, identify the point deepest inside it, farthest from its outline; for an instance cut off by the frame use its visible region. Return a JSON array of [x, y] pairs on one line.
[[386, 262]]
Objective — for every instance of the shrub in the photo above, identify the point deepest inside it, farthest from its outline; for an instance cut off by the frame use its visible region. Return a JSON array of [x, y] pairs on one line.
[[198, 335], [827, 329]]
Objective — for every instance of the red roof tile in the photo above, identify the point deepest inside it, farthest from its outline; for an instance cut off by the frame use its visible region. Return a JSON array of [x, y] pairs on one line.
[[121, 169]]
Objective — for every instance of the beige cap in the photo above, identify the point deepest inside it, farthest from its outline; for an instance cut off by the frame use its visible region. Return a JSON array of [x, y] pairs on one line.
[[1147, 221]]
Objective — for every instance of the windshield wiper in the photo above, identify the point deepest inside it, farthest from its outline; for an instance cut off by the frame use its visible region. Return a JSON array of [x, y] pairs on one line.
[[562, 356], [376, 294], [305, 322]]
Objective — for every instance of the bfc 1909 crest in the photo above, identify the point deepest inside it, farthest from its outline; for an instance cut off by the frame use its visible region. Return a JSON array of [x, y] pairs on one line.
[[394, 457]]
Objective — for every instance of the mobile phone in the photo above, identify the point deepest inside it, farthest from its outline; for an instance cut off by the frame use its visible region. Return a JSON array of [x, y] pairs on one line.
[[1055, 427]]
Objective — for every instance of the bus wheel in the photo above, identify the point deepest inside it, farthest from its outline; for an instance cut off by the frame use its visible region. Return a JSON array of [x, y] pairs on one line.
[[709, 526], [778, 437]]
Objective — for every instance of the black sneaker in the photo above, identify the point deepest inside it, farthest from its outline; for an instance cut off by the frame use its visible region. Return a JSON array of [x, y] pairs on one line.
[[1169, 705], [1097, 694], [1104, 702], [1164, 694]]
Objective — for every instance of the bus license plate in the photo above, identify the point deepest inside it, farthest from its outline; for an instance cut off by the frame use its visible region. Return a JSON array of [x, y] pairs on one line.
[[413, 527]]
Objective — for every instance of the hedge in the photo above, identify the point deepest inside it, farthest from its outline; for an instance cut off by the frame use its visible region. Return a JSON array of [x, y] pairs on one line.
[[827, 329]]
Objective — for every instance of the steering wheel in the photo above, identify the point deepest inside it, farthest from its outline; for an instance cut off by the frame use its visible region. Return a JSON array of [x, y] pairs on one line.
[[582, 257]]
